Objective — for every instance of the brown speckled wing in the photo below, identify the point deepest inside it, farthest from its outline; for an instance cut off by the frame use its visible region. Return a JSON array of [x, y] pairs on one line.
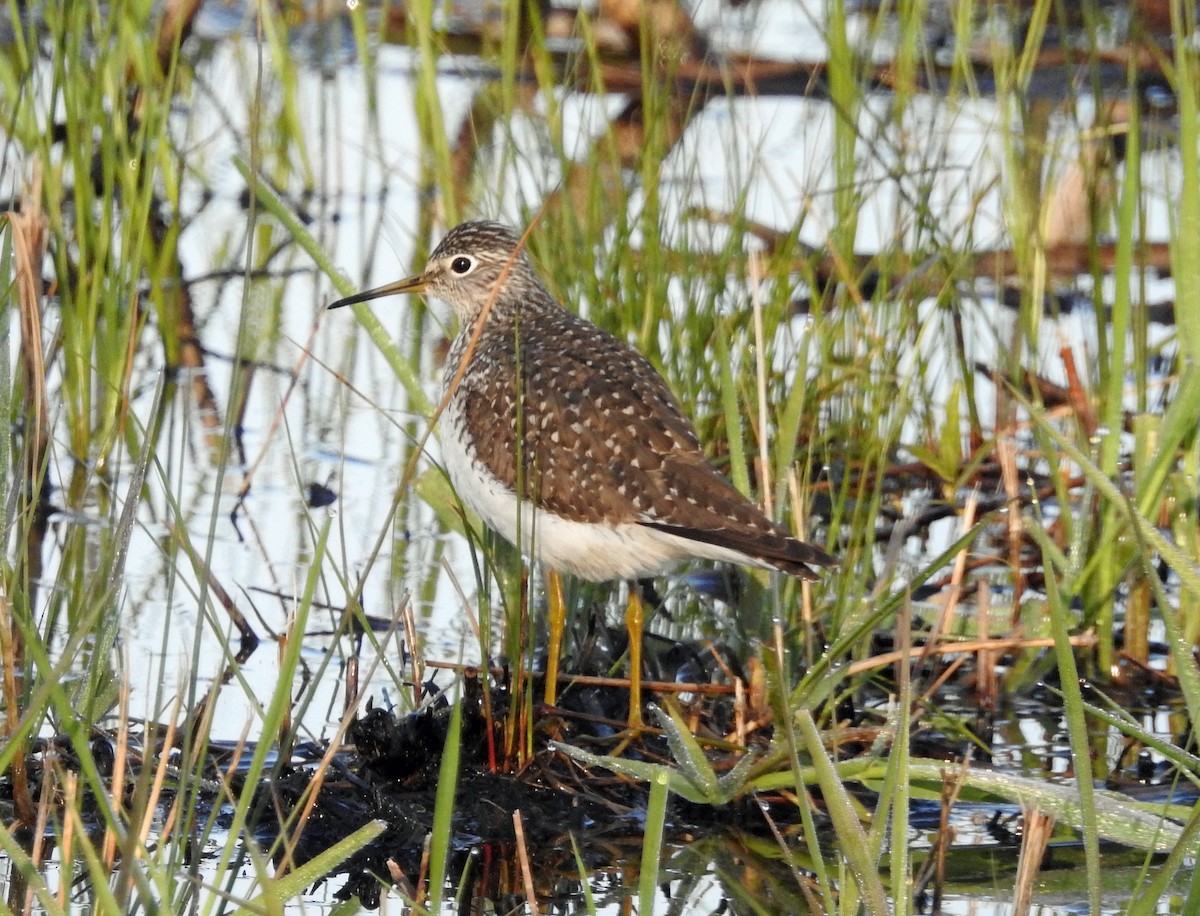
[[605, 440], [596, 425]]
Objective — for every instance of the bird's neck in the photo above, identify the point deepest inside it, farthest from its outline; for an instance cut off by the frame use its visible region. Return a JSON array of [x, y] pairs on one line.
[[509, 315]]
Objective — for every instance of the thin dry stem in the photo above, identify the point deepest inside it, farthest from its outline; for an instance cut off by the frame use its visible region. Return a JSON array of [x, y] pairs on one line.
[[523, 859], [423, 872], [46, 802], [600, 681], [805, 883], [108, 852], [760, 379], [970, 647], [10, 662], [956, 580], [1039, 827], [410, 635], [70, 795], [796, 493], [1006, 457], [160, 778]]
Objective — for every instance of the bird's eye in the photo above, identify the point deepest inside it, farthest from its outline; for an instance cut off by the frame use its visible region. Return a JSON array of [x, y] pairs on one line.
[[462, 265]]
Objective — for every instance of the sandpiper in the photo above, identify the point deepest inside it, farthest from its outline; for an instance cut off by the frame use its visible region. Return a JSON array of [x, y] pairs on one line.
[[567, 442]]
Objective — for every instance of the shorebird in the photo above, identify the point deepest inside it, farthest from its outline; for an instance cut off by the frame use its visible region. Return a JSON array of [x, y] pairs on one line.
[[567, 442]]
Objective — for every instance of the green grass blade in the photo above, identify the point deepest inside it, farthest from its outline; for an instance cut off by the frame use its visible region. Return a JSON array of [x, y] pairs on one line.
[[1077, 730], [316, 868], [652, 842], [852, 839], [443, 812], [585, 885]]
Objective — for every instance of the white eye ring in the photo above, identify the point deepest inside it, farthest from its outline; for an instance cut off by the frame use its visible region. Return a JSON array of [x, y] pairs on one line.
[[462, 265]]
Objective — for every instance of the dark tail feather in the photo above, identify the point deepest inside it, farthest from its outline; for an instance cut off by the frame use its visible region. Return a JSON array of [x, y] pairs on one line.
[[787, 554]]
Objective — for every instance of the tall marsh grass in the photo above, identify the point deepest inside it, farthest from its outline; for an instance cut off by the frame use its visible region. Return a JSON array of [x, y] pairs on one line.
[[102, 368], [818, 376]]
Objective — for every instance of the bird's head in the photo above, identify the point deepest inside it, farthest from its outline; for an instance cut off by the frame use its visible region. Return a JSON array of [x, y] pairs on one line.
[[476, 263]]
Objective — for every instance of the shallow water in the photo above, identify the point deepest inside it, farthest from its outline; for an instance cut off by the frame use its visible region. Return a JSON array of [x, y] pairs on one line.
[[349, 424]]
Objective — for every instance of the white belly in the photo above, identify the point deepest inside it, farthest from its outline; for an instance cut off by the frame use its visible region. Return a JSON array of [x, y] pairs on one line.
[[596, 552]]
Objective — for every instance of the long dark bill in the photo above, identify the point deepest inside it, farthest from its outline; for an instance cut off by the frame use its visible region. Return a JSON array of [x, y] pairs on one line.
[[407, 285]]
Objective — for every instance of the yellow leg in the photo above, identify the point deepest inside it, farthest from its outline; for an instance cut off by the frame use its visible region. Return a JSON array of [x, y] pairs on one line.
[[558, 618], [634, 621]]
